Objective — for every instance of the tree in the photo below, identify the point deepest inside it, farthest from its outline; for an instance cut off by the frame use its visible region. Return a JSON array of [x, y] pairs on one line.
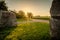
[[17, 15], [30, 15], [21, 14], [3, 6], [55, 20]]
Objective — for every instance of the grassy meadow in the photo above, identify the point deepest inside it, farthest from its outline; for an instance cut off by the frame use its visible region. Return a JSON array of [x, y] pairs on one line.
[[42, 17], [27, 28], [27, 31]]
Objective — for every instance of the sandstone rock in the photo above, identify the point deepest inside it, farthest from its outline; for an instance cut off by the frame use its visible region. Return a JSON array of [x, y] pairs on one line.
[[55, 20], [55, 9], [7, 19], [55, 28]]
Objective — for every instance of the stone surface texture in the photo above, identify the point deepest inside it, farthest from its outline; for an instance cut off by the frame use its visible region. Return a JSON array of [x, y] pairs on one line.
[[55, 19], [7, 19]]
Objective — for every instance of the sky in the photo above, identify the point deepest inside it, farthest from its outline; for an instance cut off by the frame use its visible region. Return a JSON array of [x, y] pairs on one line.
[[37, 7]]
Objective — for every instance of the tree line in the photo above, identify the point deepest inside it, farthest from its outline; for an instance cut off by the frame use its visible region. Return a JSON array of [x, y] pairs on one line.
[[22, 15], [19, 15]]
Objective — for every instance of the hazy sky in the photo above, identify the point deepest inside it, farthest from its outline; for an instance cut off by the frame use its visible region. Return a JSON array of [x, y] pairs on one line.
[[37, 7]]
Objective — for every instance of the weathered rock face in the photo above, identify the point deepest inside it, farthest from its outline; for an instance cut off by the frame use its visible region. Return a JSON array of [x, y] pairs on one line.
[[55, 19], [55, 9], [7, 19]]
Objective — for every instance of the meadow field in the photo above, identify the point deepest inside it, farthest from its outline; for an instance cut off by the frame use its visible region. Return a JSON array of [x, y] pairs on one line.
[[42, 17], [31, 17], [27, 31]]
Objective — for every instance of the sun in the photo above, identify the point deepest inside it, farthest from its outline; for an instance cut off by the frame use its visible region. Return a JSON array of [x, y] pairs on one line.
[[27, 9]]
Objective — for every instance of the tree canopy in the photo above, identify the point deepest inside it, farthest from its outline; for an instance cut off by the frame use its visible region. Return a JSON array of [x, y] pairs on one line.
[[3, 6]]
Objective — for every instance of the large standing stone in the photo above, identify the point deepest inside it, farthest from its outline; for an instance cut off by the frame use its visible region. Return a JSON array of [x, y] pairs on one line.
[[55, 20], [7, 19]]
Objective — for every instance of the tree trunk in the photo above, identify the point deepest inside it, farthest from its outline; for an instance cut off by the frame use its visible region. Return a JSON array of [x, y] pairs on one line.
[[55, 20]]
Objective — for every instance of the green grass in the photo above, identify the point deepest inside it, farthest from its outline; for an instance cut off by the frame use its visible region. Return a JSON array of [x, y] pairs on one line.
[[42, 17], [30, 31], [5, 32], [20, 20]]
